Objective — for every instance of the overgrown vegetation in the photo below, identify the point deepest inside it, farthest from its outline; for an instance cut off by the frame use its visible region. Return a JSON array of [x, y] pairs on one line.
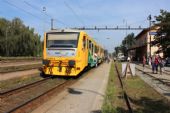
[[107, 106], [18, 40], [162, 39], [113, 102], [143, 98], [17, 82]]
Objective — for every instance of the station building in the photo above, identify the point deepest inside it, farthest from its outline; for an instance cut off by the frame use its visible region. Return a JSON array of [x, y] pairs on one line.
[[142, 44]]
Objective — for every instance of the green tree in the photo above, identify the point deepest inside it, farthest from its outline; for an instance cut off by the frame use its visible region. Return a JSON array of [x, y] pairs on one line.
[[127, 42], [117, 49], [162, 38], [18, 40]]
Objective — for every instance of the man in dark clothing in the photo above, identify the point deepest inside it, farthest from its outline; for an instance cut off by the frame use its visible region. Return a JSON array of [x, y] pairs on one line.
[[156, 63], [153, 63]]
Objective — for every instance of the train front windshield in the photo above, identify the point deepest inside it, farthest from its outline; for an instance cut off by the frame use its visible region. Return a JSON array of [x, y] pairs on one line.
[[62, 40]]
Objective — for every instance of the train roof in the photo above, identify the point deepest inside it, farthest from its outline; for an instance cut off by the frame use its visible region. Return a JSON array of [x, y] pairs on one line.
[[64, 30]]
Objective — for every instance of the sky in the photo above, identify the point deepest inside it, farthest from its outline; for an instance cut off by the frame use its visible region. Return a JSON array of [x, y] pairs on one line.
[[88, 13]]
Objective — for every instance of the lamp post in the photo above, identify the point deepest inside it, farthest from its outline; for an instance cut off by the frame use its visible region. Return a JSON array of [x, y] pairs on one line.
[[149, 18], [6, 41], [150, 24], [44, 10]]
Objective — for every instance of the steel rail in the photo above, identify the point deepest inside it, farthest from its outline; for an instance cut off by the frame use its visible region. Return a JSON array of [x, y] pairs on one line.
[[22, 88], [124, 92], [38, 100]]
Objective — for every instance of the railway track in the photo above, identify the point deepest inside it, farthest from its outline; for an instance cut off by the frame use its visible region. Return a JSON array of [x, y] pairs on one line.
[[22, 88], [124, 91], [162, 86], [38, 100], [158, 79], [165, 72], [15, 101], [32, 103]]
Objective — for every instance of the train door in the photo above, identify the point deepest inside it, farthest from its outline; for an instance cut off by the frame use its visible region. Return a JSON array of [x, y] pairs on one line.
[[85, 51]]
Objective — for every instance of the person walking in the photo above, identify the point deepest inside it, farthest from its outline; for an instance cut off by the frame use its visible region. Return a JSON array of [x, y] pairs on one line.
[[149, 61], [156, 63], [160, 64], [153, 63]]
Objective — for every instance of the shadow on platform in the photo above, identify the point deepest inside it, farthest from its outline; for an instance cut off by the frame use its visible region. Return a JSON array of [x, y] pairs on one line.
[[78, 91]]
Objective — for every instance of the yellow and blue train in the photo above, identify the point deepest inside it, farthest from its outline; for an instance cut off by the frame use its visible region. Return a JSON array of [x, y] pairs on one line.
[[68, 52]]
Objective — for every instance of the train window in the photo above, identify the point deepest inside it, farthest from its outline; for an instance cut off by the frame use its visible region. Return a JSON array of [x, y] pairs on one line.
[[96, 49], [90, 44], [84, 41], [92, 48], [62, 40], [87, 43]]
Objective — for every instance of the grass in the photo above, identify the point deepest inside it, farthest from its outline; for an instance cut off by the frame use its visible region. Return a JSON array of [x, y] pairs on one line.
[[17, 82], [19, 68], [113, 97], [143, 98], [20, 58]]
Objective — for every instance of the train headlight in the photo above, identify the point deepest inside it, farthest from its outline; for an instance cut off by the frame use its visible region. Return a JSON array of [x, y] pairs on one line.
[[71, 63], [46, 62]]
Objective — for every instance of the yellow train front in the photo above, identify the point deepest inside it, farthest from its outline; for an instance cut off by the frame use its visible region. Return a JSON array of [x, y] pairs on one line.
[[68, 52]]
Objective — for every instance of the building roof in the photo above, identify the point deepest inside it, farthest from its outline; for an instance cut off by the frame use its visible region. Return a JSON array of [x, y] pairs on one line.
[[155, 27]]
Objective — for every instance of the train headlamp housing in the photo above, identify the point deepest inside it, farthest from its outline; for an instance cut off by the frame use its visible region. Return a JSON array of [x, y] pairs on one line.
[[71, 63], [46, 62]]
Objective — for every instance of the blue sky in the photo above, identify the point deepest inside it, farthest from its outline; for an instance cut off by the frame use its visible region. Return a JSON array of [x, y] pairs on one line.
[[90, 13]]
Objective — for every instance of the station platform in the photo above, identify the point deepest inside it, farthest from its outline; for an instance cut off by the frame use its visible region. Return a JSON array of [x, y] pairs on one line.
[[160, 82], [85, 96]]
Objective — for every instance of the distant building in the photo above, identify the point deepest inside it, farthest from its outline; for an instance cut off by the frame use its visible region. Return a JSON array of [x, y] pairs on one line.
[[142, 44]]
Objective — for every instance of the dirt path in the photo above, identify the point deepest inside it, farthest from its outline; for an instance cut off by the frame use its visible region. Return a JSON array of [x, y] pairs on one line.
[[86, 96]]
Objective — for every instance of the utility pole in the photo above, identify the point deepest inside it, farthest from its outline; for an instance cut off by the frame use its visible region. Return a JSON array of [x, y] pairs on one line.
[[149, 18], [6, 41], [44, 10], [52, 20]]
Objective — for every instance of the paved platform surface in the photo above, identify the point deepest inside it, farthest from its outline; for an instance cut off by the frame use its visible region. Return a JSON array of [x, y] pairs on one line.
[[161, 83], [85, 96]]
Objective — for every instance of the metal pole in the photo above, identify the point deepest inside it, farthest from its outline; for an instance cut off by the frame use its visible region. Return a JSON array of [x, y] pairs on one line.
[[52, 20], [149, 34], [149, 18], [6, 41], [126, 45], [44, 10]]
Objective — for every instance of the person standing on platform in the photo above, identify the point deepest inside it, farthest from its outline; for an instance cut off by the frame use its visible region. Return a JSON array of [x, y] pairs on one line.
[[149, 61], [128, 59], [160, 64], [153, 63], [156, 63]]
